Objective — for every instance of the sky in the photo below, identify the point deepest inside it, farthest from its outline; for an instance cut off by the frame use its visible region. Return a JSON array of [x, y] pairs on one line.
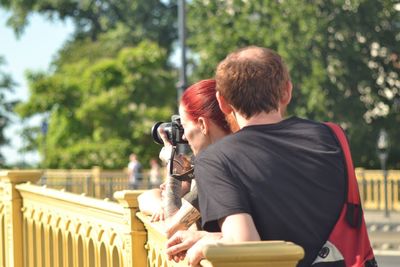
[[33, 50]]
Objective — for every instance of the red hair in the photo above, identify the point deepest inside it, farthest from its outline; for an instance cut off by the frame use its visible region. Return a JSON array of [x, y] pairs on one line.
[[199, 100]]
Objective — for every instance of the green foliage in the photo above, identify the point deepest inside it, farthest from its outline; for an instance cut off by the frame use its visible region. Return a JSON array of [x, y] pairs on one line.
[[6, 106], [150, 19], [343, 57], [106, 87], [102, 110]]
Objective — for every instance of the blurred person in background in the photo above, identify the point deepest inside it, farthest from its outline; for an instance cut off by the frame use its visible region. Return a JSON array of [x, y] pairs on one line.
[[154, 174], [134, 172]]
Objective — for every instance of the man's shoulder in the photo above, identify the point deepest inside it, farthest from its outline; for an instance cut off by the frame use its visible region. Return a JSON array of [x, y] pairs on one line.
[[220, 147]]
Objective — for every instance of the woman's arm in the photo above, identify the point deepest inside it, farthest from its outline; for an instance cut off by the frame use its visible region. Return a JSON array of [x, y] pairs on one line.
[[150, 201]]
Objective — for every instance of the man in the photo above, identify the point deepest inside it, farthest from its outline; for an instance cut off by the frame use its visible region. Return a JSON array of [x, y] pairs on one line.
[[275, 179], [134, 171]]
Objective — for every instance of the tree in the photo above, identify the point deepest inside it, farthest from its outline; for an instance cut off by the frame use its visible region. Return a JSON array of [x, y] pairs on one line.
[[87, 94], [6, 106], [101, 109], [343, 57], [150, 19]]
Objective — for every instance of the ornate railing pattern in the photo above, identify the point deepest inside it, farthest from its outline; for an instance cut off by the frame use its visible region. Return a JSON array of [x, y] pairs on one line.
[[249, 254], [95, 182], [100, 183], [2, 226], [79, 231], [11, 216], [372, 189], [48, 227], [54, 228], [155, 246]]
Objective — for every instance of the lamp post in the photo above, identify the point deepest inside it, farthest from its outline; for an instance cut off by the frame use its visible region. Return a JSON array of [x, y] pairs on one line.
[[44, 128], [182, 83], [383, 152]]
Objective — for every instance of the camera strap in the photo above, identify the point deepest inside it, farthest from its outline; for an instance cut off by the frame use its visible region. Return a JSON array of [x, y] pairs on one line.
[[186, 176]]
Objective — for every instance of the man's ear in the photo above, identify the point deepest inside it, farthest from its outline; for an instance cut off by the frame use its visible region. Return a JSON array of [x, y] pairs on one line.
[[223, 104], [287, 94]]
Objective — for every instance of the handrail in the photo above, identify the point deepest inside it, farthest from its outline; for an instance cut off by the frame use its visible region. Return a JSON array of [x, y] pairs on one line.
[[260, 253], [76, 230], [40, 226], [372, 189], [101, 183], [222, 254], [47, 227], [10, 215]]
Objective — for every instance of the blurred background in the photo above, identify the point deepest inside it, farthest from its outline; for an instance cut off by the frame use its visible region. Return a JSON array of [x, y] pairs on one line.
[[82, 82]]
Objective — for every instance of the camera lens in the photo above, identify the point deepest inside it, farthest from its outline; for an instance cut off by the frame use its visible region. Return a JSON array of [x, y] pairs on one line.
[[173, 130], [155, 134]]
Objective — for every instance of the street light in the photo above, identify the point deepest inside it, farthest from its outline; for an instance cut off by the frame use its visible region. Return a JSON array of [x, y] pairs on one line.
[[383, 152], [182, 83], [44, 128]]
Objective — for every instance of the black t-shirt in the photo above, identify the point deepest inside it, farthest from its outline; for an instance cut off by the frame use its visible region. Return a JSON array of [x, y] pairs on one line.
[[289, 176]]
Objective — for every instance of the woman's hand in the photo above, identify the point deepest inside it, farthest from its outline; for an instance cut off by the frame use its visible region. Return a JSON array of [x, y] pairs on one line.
[[195, 253], [166, 151], [181, 163], [159, 215], [180, 242], [190, 244]]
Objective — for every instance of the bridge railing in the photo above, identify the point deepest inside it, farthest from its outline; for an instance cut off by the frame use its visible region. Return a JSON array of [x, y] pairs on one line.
[[371, 184], [249, 254], [95, 182], [40, 226], [55, 228], [100, 183]]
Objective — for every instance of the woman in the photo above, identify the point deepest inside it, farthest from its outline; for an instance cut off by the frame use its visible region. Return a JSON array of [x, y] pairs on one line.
[[204, 124]]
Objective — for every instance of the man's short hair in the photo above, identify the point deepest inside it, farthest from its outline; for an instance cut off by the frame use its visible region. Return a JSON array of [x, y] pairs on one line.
[[252, 80]]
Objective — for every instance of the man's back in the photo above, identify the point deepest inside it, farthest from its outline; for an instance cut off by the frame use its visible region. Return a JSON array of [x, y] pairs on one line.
[[288, 176]]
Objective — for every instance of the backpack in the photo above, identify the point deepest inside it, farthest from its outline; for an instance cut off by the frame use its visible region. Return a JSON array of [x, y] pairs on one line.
[[348, 244]]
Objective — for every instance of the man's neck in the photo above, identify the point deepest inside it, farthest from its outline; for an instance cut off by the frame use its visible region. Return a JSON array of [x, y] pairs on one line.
[[258, 119]]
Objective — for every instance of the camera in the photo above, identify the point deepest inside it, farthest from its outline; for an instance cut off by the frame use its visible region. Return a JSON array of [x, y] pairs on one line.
[[173, 130]]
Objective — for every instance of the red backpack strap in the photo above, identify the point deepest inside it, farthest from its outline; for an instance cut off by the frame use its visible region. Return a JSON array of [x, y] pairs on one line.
[[354, 211]]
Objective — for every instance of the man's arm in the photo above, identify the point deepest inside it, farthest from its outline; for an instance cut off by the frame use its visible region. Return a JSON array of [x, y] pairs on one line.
[[238, 227], [235, 228], [183, 219], [150, 201]]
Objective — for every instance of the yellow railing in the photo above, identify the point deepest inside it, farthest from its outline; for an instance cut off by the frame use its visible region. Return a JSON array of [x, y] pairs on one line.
[[95, 182], [11, 217], [55, 228], [48, 227], [100, 183], [372, 189], [249, 254]]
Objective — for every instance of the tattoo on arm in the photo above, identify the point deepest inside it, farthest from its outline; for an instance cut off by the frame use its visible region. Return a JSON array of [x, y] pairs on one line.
[[190, 217]]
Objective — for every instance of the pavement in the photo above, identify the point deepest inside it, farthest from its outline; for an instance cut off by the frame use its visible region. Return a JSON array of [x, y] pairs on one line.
[[377, 216], [384, 232]]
